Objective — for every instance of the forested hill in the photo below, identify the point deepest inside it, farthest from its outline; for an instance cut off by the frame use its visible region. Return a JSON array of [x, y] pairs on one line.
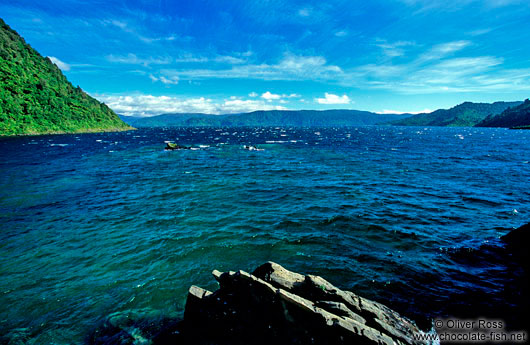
[[466, 114], [512, 117], [36, 98], [294, 118]]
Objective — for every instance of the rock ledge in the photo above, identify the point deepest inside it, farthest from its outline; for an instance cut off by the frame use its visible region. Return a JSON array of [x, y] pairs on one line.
[[276, 306]]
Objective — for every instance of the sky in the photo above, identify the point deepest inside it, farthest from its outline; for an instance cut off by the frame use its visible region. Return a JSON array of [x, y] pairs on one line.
[[228, 56]]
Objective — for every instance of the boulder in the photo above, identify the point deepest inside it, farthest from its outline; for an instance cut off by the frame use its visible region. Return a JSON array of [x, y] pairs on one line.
[[276, 306], [516, 243], [518, 237], [173, 146]]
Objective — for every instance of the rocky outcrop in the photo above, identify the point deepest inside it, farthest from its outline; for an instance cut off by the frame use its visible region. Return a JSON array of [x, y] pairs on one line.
[[270, 306], [173, 146], [518, 239], [276, 306]]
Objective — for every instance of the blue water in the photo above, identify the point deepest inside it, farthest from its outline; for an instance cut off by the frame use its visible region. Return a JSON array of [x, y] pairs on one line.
[[94, 224]]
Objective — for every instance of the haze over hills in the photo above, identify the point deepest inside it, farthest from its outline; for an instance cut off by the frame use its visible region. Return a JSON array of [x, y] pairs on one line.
[[294, 118], [36, 98], [467, 114], [518, 116]]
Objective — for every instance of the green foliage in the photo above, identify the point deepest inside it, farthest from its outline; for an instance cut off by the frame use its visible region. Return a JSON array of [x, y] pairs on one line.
[[36, 98], [463, 115], [516, 117]]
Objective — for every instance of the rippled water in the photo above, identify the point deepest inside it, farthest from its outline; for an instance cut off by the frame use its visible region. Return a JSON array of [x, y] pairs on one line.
[[99, 223]]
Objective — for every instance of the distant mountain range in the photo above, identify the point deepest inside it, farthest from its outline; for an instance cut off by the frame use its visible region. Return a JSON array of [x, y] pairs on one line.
[[516, 117], [294, 118], [36, 98], [467, 114]]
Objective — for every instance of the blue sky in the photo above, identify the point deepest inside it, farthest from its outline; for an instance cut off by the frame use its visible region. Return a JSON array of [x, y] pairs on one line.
[[150, 57]]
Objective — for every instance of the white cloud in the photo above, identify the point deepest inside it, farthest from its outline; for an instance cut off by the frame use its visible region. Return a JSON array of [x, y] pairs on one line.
[[469, 65], [148, 105], [455, 75], [442, 50], [381, 71], [146, 39], [130, 29], [170, 81], [63, 66], [187, 58], [223, 59], [330, 98], [132, 59], [452, 5], [443, 67], [119, 24], [229, 60], [304, 12], [436, 70], [291, 67], [270, 96], [480, 32], [341, 33], [394, 49]]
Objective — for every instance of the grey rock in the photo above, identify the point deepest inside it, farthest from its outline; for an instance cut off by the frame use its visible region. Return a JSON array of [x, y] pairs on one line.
[[279, 276], [275, 305], [340, 309]]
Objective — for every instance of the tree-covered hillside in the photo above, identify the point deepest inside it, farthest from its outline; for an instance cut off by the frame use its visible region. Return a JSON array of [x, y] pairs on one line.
[[512, 117], [36, 98], [466, 114], [264, 118]]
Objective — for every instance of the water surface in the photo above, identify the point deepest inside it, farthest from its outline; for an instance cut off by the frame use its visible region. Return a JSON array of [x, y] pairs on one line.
[[93, 224]]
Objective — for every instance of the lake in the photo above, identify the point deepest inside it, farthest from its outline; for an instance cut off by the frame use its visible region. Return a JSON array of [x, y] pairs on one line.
[[95, 224]]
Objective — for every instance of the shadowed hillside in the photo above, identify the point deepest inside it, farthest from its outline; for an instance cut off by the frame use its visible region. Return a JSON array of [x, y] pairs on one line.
[[518, 117], [466, 114], [293, 118]]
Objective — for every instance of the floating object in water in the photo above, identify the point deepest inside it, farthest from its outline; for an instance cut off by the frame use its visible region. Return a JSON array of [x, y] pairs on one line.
[[174, 146], [252, 148]]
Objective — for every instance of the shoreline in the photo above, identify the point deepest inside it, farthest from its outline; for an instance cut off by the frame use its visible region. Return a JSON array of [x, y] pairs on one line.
[[83, 131]]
